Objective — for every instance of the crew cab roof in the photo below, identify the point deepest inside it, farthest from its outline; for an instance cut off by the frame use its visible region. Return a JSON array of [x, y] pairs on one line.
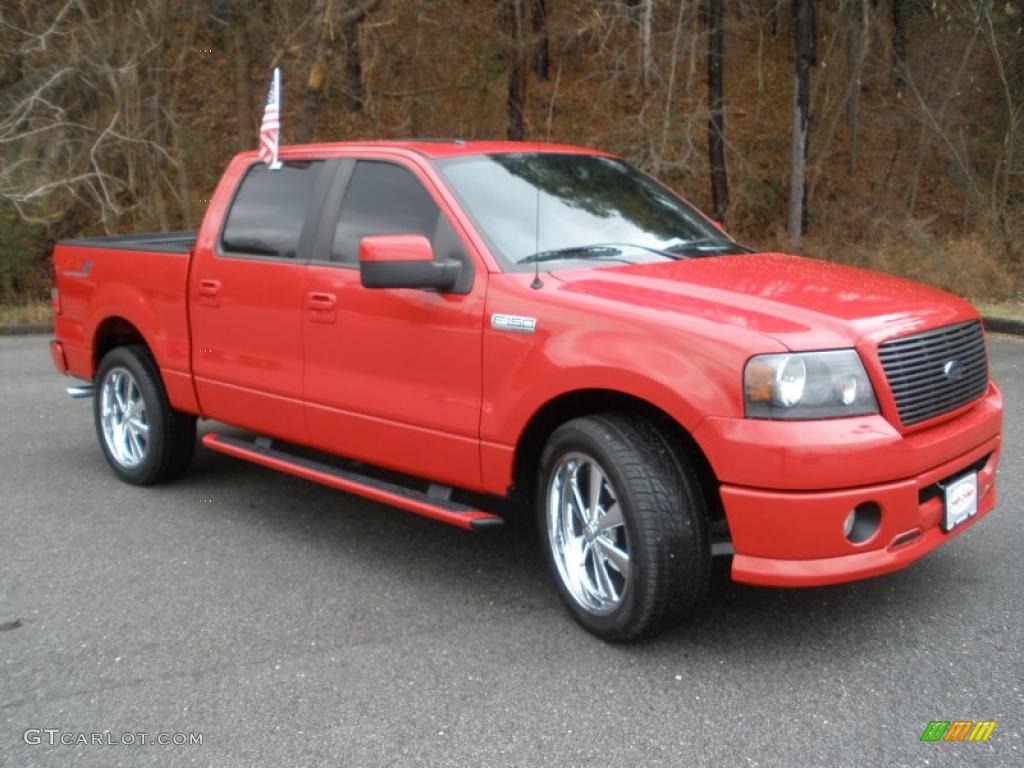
[[439, 148]]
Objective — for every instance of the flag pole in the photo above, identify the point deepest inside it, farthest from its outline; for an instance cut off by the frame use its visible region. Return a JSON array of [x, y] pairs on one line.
[[276, 164]]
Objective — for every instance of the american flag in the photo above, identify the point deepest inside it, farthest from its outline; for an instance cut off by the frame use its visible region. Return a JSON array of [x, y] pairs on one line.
[[270, 128]]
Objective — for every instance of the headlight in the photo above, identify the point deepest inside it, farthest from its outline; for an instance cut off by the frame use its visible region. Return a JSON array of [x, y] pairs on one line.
[[807, 385]]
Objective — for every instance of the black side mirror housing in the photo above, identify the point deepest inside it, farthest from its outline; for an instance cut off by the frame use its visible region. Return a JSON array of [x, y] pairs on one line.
[[404, 261]]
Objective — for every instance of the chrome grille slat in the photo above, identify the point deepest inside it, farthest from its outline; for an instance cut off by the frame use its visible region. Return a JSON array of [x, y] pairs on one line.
[[912, 389], [913, 381], [941, 405], [914, 368], [909, 359]]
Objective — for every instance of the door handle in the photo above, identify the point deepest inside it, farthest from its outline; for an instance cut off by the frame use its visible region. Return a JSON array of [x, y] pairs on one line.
[[321, 307], [320, 301], [209, 292]]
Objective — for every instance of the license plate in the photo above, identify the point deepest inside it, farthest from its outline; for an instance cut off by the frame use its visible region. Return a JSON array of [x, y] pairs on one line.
[[961, 501]]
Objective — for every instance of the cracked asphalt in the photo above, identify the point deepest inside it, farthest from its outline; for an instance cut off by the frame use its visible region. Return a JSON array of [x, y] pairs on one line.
[[292, 625]]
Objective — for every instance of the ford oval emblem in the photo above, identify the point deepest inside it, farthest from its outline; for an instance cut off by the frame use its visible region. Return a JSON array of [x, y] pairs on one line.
[[953, 370]]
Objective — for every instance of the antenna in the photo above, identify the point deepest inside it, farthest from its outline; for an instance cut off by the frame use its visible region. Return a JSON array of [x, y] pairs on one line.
[[537, 283]]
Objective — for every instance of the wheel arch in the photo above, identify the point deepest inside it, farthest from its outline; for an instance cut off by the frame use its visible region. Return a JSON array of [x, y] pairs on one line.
[[115, 330], [112, 332], [586, 402]]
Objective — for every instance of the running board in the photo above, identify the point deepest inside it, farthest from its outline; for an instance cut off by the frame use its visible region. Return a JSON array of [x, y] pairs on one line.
[[80, 391], [424, 504]]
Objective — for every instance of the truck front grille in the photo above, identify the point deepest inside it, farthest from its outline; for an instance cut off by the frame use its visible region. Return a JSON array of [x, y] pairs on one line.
[[936, 371]]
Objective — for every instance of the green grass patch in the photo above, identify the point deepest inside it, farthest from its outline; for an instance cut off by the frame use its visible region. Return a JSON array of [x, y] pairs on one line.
[[26, 313], [1009, 310]]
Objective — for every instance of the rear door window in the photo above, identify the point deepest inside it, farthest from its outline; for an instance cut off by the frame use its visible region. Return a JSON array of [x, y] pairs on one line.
[[270, 208]]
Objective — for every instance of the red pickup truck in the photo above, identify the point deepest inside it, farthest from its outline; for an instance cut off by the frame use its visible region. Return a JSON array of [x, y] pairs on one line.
[[442, 325]]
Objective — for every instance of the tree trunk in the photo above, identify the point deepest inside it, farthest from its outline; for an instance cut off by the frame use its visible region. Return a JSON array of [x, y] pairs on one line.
[[184, 180], [670, 91], [315, 80], [633, 10], [238, 50], [647, 55], [773, 16], [803, 34], [512, 29], [355, 90], [414, 99], [542, 53], [716, 117], [854, 42], [899, 42]]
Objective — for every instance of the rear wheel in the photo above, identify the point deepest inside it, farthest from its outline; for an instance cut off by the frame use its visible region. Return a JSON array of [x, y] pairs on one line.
[[624, 524], [143, 439]]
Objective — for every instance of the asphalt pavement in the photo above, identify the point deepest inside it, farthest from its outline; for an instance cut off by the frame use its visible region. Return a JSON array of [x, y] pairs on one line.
[[286, 624]]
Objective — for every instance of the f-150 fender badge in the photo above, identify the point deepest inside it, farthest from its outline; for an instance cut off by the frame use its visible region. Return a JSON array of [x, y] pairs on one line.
[[83, 271], [514, 323]]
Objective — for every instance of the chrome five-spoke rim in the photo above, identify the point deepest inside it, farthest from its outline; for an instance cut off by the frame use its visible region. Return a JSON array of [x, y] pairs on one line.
[[587, 534], [123, 417]]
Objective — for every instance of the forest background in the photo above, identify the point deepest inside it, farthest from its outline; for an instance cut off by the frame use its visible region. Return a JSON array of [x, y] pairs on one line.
[[880, 133]]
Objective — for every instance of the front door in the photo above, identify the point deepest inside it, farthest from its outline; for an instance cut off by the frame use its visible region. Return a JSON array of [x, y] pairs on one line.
[[246, 300], [392, 376]]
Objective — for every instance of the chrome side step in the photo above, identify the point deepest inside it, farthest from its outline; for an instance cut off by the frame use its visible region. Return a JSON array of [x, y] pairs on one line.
[[81, 390], [428, 504]]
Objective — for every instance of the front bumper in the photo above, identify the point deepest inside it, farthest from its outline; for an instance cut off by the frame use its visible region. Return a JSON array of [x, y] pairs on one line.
[[786, 501], [796, 539]]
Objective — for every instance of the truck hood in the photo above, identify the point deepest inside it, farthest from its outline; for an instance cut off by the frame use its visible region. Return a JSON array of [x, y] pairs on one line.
[[800, 302]]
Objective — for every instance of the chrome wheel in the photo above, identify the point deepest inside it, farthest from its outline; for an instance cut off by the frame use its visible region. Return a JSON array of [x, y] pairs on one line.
[[587, 533], [123, 418]]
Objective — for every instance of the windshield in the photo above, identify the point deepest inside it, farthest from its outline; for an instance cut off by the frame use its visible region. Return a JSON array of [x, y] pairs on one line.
[[589, 208]]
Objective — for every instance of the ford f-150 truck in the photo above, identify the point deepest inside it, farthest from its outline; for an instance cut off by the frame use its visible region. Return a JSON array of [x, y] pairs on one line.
[[443, 325]]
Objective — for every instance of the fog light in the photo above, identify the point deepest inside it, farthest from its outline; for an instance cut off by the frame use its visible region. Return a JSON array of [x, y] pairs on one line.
[[862, 522]]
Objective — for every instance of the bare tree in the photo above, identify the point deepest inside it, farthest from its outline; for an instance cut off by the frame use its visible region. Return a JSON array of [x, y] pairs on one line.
[[325, 11], [647, 49], [511, 23], [66, 153], [351, 20], [803, 36], [238, 46], [899, 42], [857, 45], [716, 116], [542, 51]]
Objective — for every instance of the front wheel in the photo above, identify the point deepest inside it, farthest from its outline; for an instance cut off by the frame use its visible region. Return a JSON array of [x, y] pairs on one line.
[[143, 439], [624, 524]]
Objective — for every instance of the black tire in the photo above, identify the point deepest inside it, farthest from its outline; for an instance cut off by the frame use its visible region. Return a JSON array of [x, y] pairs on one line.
[[172, 435], [664, 516]]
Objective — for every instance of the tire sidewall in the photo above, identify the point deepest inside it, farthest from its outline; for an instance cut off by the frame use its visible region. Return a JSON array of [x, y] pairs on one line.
[[615, 624], [149, 388]]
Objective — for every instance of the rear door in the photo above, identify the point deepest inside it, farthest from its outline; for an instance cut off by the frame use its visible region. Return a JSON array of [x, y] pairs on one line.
[[246, 299], [392, 376]]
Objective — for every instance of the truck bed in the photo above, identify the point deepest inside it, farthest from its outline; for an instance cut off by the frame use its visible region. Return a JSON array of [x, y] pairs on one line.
[[164, 242], [137, 284]]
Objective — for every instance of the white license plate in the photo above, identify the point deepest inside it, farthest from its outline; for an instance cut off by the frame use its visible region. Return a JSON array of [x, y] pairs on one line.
[[961, 501]]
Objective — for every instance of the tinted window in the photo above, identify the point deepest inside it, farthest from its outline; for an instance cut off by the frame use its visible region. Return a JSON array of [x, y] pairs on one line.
[[383, 199], [267, 214], [548, 207]]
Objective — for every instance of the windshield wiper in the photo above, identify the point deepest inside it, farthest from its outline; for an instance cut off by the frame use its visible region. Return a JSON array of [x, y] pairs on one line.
[[574, 252], [595, 251], [705, 245], [650, 248]]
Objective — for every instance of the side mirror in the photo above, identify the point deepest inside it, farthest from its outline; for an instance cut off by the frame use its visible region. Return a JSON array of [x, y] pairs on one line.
[[404, 261]]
